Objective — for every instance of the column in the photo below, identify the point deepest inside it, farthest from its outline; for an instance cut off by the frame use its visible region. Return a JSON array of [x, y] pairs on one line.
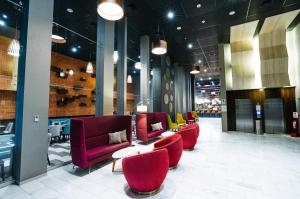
[[105, 67], [33, 91], [144, 73], [122, 66], [156, 81]]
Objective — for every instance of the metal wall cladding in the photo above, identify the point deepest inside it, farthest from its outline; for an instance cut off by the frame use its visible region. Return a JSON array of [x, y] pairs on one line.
[[274, 116], [244, 115]]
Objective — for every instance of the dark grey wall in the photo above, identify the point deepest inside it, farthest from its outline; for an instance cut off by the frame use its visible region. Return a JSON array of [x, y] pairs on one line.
[[156, 87], [33, 91]]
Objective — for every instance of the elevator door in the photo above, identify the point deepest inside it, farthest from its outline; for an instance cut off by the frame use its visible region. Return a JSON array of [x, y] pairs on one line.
[[274, 118], [244, 115]]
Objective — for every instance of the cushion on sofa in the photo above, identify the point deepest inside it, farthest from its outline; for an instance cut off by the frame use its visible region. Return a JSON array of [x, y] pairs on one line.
[[123, 136], [156, 126], [114, 138], [105, 149]]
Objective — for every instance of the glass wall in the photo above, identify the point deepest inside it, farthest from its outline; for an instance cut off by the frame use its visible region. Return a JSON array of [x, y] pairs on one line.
[[10, 23]]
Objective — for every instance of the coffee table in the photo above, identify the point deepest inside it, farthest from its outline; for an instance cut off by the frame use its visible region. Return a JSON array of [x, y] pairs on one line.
[[129, 151]]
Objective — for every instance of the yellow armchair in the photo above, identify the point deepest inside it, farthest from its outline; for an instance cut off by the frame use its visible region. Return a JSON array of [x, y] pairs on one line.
[[195, 115], [180, 120], [171, 124]]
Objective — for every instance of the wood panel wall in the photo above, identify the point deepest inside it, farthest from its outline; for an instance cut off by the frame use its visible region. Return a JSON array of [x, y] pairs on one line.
[[273, 50], [242, 56], [258, 96]]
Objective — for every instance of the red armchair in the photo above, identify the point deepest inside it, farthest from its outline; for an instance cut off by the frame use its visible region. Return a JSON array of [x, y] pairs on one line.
[[174, 146], [189, 137], [143, 125], [190, 117], [146, 172], [89, 138], [195, 126]]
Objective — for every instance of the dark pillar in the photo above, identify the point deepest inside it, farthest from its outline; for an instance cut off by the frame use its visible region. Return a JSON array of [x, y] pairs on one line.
[[33, 91], [144, 74], [104, 67], [122, 66]]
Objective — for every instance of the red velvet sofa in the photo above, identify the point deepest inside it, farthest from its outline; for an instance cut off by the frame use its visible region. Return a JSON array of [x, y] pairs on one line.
[[189, 136], [174, 146], [146, 172], [89, 138], [143, 125]]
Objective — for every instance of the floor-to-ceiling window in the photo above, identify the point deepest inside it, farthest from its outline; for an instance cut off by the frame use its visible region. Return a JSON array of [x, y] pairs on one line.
[[10, 49]]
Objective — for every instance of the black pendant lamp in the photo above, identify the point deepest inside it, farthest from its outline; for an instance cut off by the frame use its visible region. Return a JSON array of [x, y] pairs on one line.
[[159, 44]]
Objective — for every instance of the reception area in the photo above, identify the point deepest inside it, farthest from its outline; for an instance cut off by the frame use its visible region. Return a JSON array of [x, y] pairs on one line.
[[149, 99]]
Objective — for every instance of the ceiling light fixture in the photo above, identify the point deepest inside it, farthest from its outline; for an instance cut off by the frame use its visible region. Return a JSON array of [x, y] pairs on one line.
[[205, 70], [74, 49], [195, 70], [2, 23], [116, 56], [178, 28], [90, 68], [111, 10], [71, 72], [14, 48], [159, 44], [138, 65], [129, 79], [209, 78], [199, 61], [231, 13], [70, 10], [4, 16], [58, 39], [170, 15], [199, 5], [203, 21], [190, 46], [151, 73]]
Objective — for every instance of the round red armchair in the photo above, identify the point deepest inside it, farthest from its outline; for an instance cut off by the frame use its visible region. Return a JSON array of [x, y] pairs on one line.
[[146, 172], [189, 137], [195, 126], [174, 146]]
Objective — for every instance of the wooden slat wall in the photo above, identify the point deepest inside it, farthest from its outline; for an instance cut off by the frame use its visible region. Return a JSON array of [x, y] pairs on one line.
[[242, 56], [273, 50]]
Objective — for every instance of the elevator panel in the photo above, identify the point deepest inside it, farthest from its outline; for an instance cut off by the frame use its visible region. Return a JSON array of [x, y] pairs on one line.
[[274, 117], [244, 115]]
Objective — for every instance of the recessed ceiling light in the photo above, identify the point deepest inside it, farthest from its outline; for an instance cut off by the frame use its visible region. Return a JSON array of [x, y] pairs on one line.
[[138, 65], [199, 5], [205, 70], [231, 13], [134, 72], [79, 47], [178, 27], [199, 61], [70, 10], [2, 23], [201, 79], [170, 15], [139, 57], [209, 78], [74, 49], [190, 46], [203, 21], [4, 16]]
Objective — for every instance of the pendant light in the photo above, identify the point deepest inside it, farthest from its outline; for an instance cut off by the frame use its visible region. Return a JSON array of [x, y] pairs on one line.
[[111, 9], [159, 45], [90, 67], [129, 79], [14, 46], [195, 70]]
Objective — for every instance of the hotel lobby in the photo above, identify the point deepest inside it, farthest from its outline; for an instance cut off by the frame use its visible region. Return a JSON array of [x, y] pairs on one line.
[[149, 99]]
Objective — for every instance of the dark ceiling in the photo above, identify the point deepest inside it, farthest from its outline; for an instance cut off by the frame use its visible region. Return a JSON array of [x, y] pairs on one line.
[[145, 15]]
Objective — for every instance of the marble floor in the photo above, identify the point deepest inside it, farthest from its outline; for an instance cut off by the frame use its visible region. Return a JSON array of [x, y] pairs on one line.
[[223, 166]]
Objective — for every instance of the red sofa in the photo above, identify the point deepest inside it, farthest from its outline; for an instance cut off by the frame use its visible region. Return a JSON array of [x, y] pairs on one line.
[[189, 136], [143, 125], [146, 172], [174, 146], [89, 138]]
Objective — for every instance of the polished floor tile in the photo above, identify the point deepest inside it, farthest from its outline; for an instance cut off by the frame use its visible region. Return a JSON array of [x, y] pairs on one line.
[[223, 165]]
